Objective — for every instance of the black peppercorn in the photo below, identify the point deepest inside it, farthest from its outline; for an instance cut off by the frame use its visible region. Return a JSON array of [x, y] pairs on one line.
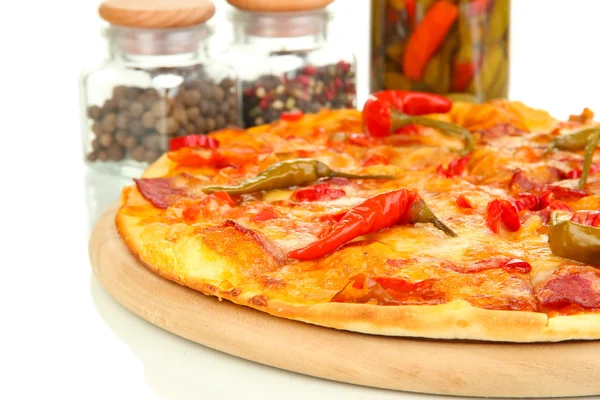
[[137, 123], [94, 112]]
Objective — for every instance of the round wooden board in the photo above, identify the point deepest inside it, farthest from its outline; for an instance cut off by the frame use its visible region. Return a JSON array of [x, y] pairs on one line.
[[427, 366]]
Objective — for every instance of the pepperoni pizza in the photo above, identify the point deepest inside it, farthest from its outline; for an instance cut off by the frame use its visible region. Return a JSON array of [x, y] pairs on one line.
[[471, 222]]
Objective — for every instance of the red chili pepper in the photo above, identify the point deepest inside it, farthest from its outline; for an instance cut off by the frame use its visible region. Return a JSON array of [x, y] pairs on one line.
[[318, 192], [456, 167], [590, 218], [374, 214], [463, 202], [377, 111], [202, 141], [502, 211], [291, 116]]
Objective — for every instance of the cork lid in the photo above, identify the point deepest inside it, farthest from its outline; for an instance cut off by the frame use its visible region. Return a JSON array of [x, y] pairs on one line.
[[279, 5], [157, 14]]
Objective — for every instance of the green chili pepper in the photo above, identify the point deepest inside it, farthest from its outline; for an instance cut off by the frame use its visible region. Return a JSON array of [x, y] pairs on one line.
[[574, 241], [589, 157], [421, 213], [301, 171], [399, 120], [573, 141], [586, 138]]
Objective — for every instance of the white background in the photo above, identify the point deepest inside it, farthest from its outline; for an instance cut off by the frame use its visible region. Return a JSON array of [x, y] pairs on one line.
[[61, 333]]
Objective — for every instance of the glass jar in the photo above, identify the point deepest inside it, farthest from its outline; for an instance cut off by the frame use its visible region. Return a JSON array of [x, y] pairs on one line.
[[459, 48], [157, 83], [285, 64]]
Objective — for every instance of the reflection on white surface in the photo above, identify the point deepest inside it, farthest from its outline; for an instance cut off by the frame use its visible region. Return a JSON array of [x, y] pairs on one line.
[[176, 368], [101, 190]]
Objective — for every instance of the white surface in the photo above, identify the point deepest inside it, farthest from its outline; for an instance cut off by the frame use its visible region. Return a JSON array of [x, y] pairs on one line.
[[62, 334]]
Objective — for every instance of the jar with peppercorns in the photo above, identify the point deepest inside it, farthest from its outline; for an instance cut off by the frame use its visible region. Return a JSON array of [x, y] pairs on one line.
[[159, 82], [285, 62]]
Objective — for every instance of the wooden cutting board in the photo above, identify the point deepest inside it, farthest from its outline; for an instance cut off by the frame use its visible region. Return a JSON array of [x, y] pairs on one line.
[[427, 366]]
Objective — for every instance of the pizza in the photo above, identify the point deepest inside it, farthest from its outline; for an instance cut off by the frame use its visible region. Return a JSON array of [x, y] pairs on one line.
[[415, 216]]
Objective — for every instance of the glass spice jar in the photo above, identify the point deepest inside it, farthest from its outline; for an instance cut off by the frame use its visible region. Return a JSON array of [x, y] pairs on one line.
[[158, 83], [284, 61], [455, 47]]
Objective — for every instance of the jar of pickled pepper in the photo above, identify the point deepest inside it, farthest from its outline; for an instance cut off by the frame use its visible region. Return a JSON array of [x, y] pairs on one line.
[[458, 48], [158, 82]]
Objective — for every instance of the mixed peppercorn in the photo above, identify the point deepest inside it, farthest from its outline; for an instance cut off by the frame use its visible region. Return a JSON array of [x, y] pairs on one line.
[[307, 89]]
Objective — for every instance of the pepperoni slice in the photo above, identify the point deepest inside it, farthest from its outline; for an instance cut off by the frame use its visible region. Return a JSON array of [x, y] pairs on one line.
[[572, 286], [163, 192], [590, 218], [389, 291], [512, 265]]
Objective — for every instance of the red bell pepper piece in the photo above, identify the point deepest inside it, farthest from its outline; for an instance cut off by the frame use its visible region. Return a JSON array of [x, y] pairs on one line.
[[265, 214], [456, 167], [224, 197], [502, 211], [376, 159], [463, 202], [377, 111], [202, 141], [214, 158], [291, 116], [590, 218], [427, 37], [374, 214], [318, 192]]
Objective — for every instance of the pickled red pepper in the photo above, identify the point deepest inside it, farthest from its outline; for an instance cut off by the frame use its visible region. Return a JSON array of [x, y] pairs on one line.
[[427, 38], [388, 111], [377, 111], [399, 207]]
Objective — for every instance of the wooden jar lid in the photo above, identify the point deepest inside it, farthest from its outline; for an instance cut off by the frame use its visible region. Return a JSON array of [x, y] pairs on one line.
[[158, 14], [279, 5]]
